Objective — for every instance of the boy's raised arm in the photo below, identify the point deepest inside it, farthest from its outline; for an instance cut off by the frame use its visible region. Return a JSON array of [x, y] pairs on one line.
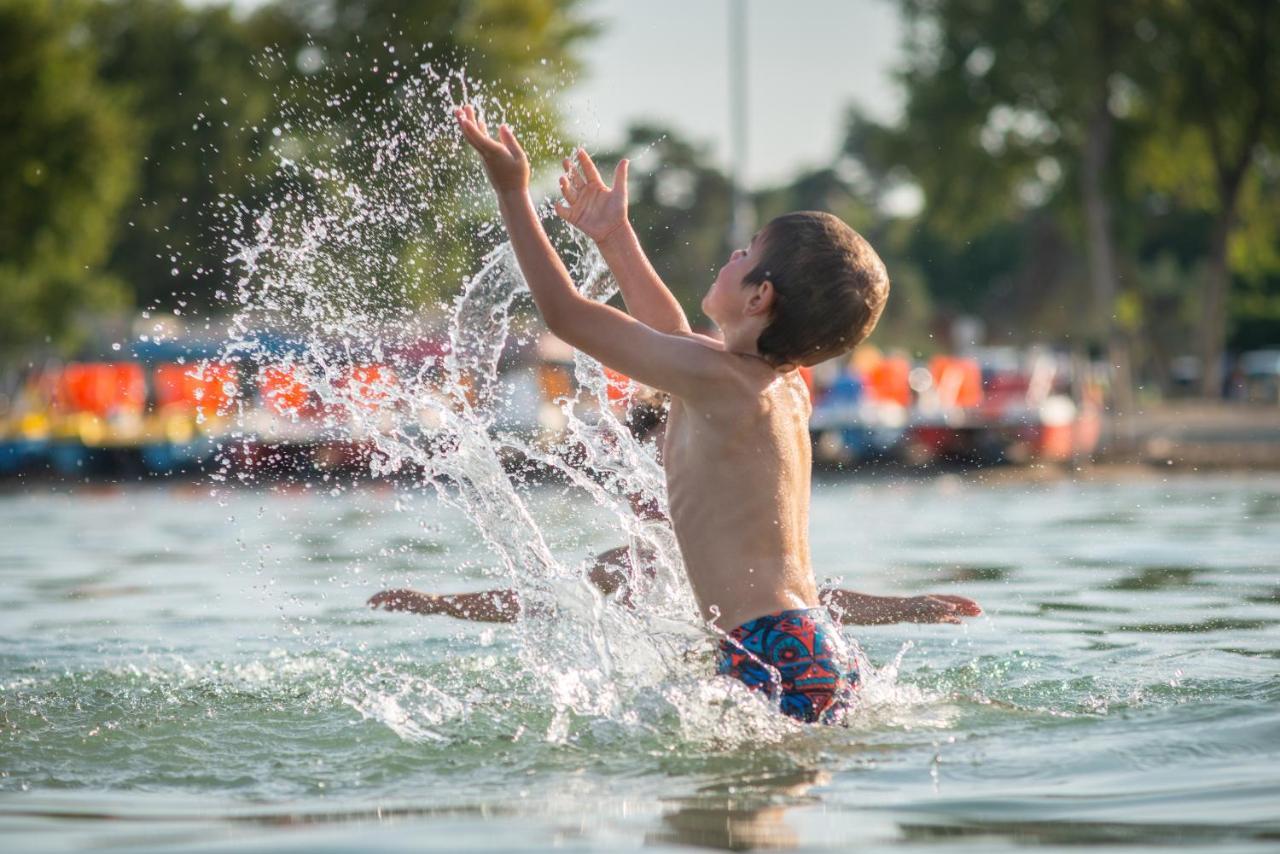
[[670, 362], [600, 213]]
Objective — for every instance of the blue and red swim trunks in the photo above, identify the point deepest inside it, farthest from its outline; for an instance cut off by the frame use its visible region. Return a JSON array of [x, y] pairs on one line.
[[796, 657]]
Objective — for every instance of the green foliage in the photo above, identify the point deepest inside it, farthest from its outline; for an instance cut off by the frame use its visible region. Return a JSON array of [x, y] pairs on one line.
[[998, 97], [209, 86], [1003, 104], [68, 166], [1255, 310], [201, 107], [1213, 118], [132, 120]]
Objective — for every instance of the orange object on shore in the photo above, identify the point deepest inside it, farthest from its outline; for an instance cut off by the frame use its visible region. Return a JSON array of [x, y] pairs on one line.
[[102, 388], [281, 390], [170, 385], [618, 387], [208, 387], [554, 381], [958, 380], [806, 374], [887, 381], [212, 386], [368, 385], [1057, 442]]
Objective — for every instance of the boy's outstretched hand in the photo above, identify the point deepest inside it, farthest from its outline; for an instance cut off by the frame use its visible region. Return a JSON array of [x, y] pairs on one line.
[[401, 599], [596, 210], [504, 160], [867, 610], [937, 608]]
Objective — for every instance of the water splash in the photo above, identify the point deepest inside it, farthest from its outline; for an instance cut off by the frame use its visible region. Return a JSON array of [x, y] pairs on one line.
[[334, 259]]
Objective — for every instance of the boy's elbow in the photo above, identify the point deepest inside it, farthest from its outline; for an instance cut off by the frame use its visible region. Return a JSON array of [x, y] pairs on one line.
[[559, 319], [554, 320]]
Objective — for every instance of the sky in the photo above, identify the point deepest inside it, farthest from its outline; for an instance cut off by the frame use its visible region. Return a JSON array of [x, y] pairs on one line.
[[667, 61], [807, 61]]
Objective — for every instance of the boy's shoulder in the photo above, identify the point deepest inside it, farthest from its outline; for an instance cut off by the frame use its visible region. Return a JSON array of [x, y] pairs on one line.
[[748, 382]]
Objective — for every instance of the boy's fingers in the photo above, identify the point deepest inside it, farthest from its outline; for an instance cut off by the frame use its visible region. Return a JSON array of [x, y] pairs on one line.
[[963, 604], [588, 167], [472, 135], [563, 211], [566, 189], [479, 140], [508, 137], [473, 117], [465, 123], [620, 176]]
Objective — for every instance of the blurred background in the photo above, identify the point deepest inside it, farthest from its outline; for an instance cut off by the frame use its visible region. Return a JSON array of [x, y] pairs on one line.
[[1078, 203]]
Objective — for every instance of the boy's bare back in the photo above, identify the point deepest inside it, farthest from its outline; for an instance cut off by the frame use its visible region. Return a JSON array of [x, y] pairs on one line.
[[738, 471]]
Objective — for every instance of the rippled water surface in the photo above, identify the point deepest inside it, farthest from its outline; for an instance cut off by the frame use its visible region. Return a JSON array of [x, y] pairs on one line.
[[184, 671]]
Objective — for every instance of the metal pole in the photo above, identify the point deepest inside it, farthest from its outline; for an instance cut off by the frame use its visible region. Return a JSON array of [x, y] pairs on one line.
[[743, 217]]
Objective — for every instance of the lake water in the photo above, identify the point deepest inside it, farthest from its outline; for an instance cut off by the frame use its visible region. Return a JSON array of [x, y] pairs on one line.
[[187, 672]]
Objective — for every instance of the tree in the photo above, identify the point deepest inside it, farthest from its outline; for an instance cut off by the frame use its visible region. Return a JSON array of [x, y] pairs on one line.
[[376, 71], [1214, 108], [202, 108], [1005, 103], [221, 95], [66, 148]]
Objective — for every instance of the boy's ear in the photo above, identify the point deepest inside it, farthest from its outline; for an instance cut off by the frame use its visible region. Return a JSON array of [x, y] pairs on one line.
[[760, 303]]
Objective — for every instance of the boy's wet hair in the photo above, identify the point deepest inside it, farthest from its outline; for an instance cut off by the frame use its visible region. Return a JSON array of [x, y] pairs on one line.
[[829, 288]]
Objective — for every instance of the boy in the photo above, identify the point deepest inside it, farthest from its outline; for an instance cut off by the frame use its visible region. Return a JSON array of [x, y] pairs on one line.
[[737, 452]]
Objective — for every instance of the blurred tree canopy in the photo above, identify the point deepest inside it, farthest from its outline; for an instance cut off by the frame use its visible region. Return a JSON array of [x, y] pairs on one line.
[[68, 146], [1214, 141], [196, 96], [131, 119], [1086, 143], [1092, 172]]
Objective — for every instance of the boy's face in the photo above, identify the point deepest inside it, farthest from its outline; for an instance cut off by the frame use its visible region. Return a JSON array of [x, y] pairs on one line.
[[727, 296]]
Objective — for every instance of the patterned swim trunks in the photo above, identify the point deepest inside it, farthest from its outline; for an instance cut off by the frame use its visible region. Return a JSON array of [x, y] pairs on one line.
[[802, 649]]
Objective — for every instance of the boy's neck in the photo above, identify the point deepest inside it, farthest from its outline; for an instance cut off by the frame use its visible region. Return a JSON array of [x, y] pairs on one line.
[[743, 341]]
